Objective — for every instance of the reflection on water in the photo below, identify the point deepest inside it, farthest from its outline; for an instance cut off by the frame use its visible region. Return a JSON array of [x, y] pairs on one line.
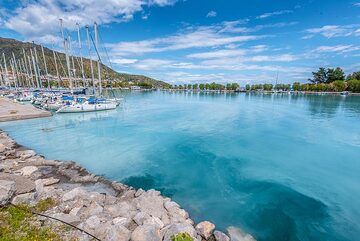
[[281, 167]]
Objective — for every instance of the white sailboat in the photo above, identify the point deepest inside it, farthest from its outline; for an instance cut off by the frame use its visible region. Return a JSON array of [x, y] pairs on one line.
[[92, 103]]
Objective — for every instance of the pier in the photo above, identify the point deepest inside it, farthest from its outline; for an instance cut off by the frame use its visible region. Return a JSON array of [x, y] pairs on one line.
[[10, 111]]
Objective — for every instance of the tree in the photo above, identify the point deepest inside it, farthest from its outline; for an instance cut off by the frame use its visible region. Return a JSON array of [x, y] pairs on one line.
[[202, 86], [339, 85], [195, 86], [319, 77], [297, 86], [268, 87], [354, 76], [248, 87], [235, 86], [335, 74], [327, 75], [353, 85]]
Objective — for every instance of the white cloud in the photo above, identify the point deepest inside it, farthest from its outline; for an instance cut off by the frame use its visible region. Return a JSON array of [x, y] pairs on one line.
[[37, 19], [337, 49], [198, 37], [267, 15], [357, 4], [211, 14], [123, 61], [331, 31]]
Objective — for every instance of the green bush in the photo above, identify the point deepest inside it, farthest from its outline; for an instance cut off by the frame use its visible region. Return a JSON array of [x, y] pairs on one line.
[[182, 237]]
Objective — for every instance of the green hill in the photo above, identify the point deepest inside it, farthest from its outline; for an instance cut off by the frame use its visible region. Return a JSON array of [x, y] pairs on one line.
[[9, 46]]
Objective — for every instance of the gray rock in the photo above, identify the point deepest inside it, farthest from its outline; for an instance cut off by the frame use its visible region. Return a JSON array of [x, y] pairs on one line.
[[93, 209], [146, 233], [39, 186], [67, 218], [122, 209], [74, 193], [220, 236], [26, 198], [151, 203], [50, 181], [2, 148], [205, 229], [22, 184], [7, 190], [25, 154], [177, 228], [155, 221], [93, 222], [121, 221], [140, 218], [118, 233], [139, 192], [28, 170]]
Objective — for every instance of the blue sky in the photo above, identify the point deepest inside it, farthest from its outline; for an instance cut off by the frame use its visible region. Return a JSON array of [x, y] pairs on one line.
[[187, 41]]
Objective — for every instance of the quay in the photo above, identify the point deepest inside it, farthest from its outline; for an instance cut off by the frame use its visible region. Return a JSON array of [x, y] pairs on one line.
[[10, 111]]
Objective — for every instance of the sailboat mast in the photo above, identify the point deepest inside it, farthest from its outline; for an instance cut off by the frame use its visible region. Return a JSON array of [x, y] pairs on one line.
[[90, 58], [45, 65], [66, 54], [99, 60], [56, 68], [31, 72], [72, 61], [37, 67], [81, 58], [6, 70]]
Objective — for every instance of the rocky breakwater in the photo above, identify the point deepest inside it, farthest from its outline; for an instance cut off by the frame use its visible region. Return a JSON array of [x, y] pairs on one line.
[[107, 210]]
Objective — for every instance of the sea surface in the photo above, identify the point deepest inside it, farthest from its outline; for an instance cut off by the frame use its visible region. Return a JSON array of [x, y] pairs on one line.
[[280, 167]]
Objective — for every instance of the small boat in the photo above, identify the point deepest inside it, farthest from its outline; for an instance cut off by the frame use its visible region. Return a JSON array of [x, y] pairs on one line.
[[344, 93]]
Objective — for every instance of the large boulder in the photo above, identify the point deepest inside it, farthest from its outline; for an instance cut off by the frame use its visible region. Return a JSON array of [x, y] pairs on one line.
[[151, 203], [146, 233], [176, 228], [205, 229], [118, 233], [2, 148], [220, 236], [122, 209], [7, 190], [28, 170], [22, 184], [74, 193], [26, 198]]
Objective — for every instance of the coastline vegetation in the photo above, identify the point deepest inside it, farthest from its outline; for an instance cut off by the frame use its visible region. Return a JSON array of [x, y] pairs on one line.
[[324, 80]]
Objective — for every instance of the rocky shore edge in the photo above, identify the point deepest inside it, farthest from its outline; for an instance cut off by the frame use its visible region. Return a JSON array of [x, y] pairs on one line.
[[105, 209]]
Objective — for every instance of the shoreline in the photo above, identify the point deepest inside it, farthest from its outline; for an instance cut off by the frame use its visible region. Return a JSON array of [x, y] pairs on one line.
[[102, 207]]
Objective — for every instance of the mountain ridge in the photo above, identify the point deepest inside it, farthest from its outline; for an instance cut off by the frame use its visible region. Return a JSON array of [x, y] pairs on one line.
[[9, 46]]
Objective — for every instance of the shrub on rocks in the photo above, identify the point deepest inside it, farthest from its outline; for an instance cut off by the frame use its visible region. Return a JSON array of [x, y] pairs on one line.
[[182, 237]]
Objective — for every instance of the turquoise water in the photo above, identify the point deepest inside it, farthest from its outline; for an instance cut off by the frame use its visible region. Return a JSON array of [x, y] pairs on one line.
[[280, 167]]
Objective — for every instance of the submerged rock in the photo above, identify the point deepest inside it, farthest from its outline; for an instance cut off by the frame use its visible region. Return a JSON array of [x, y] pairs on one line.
[[220, 236], [236, 234]]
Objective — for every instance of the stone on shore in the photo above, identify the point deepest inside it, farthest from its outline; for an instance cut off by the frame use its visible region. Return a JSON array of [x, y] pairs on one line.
[[146, 233], [236, 234], [7, 190], [22, 184], [26, 198], [28, 170], [220, 236], [205, 229]]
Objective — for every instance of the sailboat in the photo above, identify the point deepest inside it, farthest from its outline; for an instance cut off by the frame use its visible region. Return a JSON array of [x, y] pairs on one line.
[[83, 104]]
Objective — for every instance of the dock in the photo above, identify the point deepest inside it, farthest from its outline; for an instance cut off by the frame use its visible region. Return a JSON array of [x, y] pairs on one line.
[[11, 111]]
